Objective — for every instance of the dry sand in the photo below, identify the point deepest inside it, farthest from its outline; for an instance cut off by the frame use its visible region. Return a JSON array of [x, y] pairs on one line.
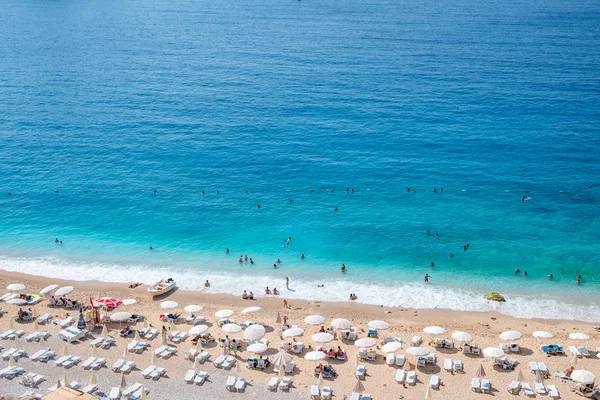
[[380, 383]]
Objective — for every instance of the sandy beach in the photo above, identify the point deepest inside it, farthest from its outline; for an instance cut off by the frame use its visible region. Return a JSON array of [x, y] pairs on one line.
[[380, 378]]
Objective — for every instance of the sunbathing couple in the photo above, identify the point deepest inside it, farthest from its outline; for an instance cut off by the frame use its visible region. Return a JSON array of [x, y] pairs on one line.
[[22, 314], [255, 361], [206, 338], [275, 291], [325, 370], [126, 331], [247, 296], [62, 302]]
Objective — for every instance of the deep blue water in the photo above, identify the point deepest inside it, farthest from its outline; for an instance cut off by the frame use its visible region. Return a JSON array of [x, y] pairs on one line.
[[300, 100]]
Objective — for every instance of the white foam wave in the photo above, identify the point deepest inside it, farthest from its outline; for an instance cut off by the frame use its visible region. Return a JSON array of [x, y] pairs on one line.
[[409, 295]]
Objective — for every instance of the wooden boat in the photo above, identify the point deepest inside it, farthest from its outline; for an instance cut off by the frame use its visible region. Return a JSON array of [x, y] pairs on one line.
[[161, 287]]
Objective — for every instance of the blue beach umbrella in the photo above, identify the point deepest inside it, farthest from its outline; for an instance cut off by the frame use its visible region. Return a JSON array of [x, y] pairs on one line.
[[81, 322]]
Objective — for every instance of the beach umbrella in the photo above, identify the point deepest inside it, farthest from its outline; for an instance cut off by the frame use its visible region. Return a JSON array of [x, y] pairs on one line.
[[11, 324], [579, 336], [379, 325], [254, 332], [65, 381], [493, 352], [238, 371], [510, 335], [341, 323], [120, 316], [542, 334], [123, 384], [192, 308], [434, 330], [281, 372], [358, 387], [65, 350], [417, 351], [257, 348], [314, 320], [11, 361], [64, 291], [104, 330], [198, 345], [125, 352], [17, 301], [250, 310], [480, 372], [136, 336], [152, 358], [365, 342], [320, 380], [92, 378], [195, 364], [145, 323], [81, 323], [143, 396], [315, 356], [278, 319], [520, 377], [129, 302], [93, 351], [538, 376], [281, 359], [322, 337], [48, 289], [169, 304], [232, 328], [15, 287], [428, 392], [583, 376], [391, 347], [108, 302], [574, 360], [462, 336], [293, 332], [198, 330], [223, 313]]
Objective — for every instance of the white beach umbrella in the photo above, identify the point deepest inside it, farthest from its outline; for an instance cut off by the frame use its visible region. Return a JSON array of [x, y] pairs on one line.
[[391, 347], [129, 302], [434, 330], [583, 376], [428, 395], [320, 380], [322, 337], [250, 310], [223, 313], [48, 289], [281, 359], [64, 290], [511, 335], [254, 332], [120, 316], [574, 359], [198, 330], [341, 323], [11, 361], [542, 334], [379, 325], [493, 352], [579, 336], [192, 308], [143, 394], [104, 330], [480, 372], [462, 336], [314, 320], [169, 304], [257, 348], [365, 342], [17, 301], [92, 378], [293, 332], [417, 351], [16, 287], [315, 356], [232, 328]]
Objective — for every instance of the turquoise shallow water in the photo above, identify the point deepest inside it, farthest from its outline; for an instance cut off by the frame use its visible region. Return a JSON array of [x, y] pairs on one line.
[[301, 100]]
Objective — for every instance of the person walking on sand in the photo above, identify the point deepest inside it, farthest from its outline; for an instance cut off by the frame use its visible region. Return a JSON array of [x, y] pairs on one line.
[[426, 279], [287, 283]]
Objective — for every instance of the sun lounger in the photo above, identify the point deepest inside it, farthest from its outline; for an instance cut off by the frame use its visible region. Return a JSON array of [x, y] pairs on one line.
[[543, 369], [7, 333], [583, 351], [285, 384], [88, 363], [132, 345], [400, 375], [229, 361], [598, 352], [272, 384], [240, 384], [63, 322], [12, 372], [46, 356], [96, 342], [131, 389], [202, 357], [61, 360], [37, 354], [73, 360], [201, 377], [168, 352], [539, 387], [475, 384], [573, 350], [219, 361], [107, 343], [527, 389], [448, 364], [137, 395], [151, 333], [146, 373], [326, 393], [390, 359], [6, 355], [115, 393], [400, 360], [89, 389], [189, 376], [486, 386], [127, 367], [360, 372], [457, 365], [411, 377], [230, 384], [157, 373], [354, 396], [315, 393], [552, 391], [117, 365], [533, 366], [434, 381], [43, 319], [98, 363]]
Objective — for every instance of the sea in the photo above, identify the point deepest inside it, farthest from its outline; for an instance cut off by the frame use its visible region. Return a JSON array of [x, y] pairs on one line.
[[351, 127]]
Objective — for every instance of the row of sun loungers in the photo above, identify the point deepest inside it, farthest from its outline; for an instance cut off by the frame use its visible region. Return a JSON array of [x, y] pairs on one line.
[[453, 365], [284, 384], [195, 377], [398, 360], [137, 347], [225, 362], [102, 342], [153, 372], [148, 333], [194, 320], [193, 353], [409, 377], [42, 355], [165, 351], [32, 380], [133, 392], [67, 361], [14, 353], [481, 385], [37, 336], [579, 351], [506, 363], [63, 323], [234, 384], [71, 334], [11, 372], [12, 334], [123, 366], [316, 394], [539, 366], [44, 319], [177, 336], [94, 363]]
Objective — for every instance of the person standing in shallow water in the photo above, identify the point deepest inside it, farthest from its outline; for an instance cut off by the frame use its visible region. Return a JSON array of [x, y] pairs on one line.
[[343, 268], [287, 283], [426, 278]]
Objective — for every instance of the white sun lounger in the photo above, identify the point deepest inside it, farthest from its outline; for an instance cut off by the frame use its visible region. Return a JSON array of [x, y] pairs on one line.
[[411, 377], [573, 350], [539, 387], [315, 393], [146, 373], [168, 352], [73, 360], [583, 351], [89, 389], [127, 367], [354, 396], [115, 393], [151, 333], [434, 381], [117, 365], [131, 389], [230, 384], [285, 384], [43, 319], [132, 345], [486, 386], [475, 384], [514, 387], [360, 372], [96, 342], [552, 391], [527, 389], [189, 376], [201, 377], [157, 373], [326, 393], [7, 333], [272, 384], [390, 359], [228, 363], [107, 343], [46, 356], [88, 363], [6, 355], [63, 322], [448, 364], [37, 354], [240, 384], [400, 360], [400, 375], [98, 363], [219, 360], [202, 357]]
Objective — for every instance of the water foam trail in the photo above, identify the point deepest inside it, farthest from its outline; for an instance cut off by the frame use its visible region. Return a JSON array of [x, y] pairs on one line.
[[410, 295]]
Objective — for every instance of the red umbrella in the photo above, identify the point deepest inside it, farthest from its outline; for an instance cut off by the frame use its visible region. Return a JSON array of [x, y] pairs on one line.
[[108, 302]]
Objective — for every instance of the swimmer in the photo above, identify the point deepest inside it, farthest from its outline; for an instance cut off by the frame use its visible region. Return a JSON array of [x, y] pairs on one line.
[[278, 261], [267, 290], [579, 279], [287, 283], [408, 189], [426, 278], [437, 235], [246, 257], [274, 266], [56, 240], [241, 259], [517, 271], [60, 242], [287, 242], [302, 256], [203, 193], [451, 255], [335, 209], [151, 248], [343, 268], [207, 283], [251, 260], [441, 190], [217, 192], [227, 250], [259, 206], [246, 191], [432, 265], [352, 190], [290, 201], [434, 190], [275, 292], [427, 232], [347, 190], [525, 273], [155, 191], [550, 276]]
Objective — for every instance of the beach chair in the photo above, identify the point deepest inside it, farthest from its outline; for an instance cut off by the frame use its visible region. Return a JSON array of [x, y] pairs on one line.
[[285, 384], [390, 359], [400, 360], [434, 381], [7, 333], [486, 386], [272, 384], [46, 356], [6, 355], [13, 372], [230, 384], [354, 396], [189, 376], [400, 375], [202, 357], [146, 373], [416, 340], [240, 384], [115, 393], [131, 389], [73, 360], [96, 342], [539, 387], [448, 364], [98, 363], [527, 389], [37, 354], [326, 393], [411, 377], [107, 343], [157, 373], [131, 346], [573, 350], [201, 377], [360, 372], [43, 319], [543, 369], [598, 352], [229, 362], [219, 360], [533, 366], [475, 385], [297, 347], [457, 365], [127, 367], [315, 393], [552, 391], [583, 351], [89, 389], [88, 363], [137, 395], [117, 365]]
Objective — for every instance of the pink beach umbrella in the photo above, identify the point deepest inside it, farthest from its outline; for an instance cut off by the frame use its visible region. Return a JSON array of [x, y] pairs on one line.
[[108, 302]]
